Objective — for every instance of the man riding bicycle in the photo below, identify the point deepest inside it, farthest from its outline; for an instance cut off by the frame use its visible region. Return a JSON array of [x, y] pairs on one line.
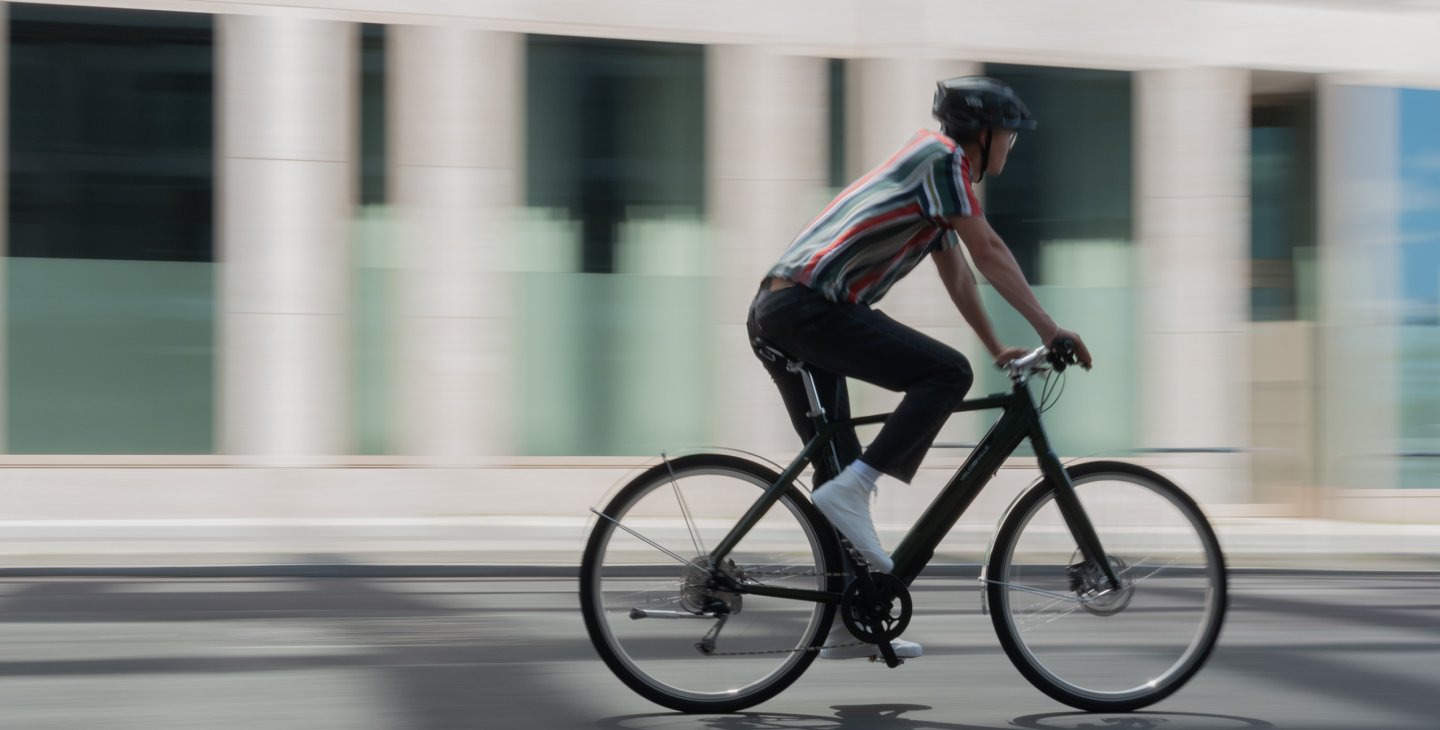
[[815, 303]]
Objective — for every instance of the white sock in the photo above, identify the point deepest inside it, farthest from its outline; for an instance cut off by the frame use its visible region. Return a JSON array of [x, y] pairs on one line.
[[867, 473]]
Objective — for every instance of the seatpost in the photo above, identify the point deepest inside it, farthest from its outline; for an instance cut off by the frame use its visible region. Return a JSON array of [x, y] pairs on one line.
[[816, 410]]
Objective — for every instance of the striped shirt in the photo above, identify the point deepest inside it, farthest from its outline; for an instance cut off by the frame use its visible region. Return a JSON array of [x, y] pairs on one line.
[[879, 228]]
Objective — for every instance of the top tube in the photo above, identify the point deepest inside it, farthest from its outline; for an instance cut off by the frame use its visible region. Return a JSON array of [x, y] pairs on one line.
[[1020, 371]]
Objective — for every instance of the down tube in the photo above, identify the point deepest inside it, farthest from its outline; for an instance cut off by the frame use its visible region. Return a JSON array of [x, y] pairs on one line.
[[919, 544]]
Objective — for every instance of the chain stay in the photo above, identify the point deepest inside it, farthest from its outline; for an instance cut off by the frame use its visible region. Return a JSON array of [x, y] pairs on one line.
[[854, 555]]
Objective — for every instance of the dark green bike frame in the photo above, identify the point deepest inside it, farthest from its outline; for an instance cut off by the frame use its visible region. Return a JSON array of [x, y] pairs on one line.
[[1019, 421]]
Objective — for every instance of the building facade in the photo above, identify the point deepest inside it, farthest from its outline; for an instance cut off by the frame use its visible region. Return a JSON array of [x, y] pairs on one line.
[[257, 250]]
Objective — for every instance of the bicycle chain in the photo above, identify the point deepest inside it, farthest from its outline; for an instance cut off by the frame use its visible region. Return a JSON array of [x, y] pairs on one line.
[[788, 651], [785, 651], [855, 555]]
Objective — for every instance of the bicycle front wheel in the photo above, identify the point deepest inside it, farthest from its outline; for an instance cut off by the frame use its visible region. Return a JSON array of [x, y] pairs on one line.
[[1082, 641], [653, 612]]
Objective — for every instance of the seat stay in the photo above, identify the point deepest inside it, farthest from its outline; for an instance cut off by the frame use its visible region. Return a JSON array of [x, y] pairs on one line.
[[767, 500]]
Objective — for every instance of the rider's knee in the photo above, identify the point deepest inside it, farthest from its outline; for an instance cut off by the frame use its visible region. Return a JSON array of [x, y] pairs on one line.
[[954, 379]]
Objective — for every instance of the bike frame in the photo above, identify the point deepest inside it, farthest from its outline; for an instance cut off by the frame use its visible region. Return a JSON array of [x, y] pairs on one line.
[[1019, 420]]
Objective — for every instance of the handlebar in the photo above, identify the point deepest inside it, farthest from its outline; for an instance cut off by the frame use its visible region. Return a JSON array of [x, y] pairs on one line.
[[1034, 362], [1059, 355]]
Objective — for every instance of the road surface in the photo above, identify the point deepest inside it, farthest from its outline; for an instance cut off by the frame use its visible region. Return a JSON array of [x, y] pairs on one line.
[[1300, 650]]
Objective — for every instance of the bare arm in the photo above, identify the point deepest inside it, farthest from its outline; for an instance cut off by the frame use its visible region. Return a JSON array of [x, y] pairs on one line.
[[960, 283], [1000, 268]]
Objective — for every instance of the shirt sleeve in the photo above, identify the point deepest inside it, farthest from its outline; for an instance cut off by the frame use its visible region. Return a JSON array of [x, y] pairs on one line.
[[948, 186], [948, 239]]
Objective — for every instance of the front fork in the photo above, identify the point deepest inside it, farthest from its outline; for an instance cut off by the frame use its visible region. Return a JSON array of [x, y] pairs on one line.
[[1070, 508]]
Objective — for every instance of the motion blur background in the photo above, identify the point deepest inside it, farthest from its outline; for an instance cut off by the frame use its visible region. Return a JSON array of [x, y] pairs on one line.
[[431, 259]]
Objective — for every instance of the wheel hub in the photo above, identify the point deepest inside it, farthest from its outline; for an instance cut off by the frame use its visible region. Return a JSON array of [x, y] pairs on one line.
[[698, 593], [1094, 591]]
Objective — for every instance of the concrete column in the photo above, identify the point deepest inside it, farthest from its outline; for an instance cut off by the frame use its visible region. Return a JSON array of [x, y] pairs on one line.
[[889, 100], [287, 177], [1193, 212], [457, 110], [1357, 338], [767, 178]]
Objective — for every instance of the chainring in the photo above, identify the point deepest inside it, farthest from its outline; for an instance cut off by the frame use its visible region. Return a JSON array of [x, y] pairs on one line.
[[881, 611]]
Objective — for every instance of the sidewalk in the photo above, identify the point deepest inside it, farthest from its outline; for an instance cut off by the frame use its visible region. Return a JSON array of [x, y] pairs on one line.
[[517, 545]]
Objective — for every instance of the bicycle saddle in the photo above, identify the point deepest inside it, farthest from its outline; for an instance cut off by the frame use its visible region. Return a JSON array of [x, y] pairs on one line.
[[768, 350]]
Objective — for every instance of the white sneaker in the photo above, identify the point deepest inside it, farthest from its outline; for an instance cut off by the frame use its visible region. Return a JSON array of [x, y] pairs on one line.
[[840, 636], [845, 501]]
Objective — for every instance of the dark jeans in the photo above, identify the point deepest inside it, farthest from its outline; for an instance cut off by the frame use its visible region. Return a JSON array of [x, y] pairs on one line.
[[837, 341]]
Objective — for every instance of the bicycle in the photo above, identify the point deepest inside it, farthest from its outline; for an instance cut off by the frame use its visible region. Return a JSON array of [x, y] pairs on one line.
[[723, 628]]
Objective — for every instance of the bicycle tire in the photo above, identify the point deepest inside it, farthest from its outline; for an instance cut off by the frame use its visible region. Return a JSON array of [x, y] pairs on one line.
[[657, 659], [1075, 650]]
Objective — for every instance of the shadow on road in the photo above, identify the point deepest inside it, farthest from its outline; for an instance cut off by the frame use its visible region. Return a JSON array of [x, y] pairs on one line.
[[1137, 721], [846, 716], [902, 717]]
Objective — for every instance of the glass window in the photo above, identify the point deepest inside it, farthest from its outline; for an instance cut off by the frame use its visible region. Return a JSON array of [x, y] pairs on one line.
[[1419, 288], [110, 290], [837, 75], [1282, 205], [1070, 179], [613, 326], [1063, 205], [372, 115], [373, 280]]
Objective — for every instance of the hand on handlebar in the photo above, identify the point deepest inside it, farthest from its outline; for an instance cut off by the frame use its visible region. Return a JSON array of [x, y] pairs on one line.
[[1066, 348]]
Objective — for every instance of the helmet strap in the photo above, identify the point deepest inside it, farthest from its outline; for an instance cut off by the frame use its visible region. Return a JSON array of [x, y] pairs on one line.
[[984, 155]]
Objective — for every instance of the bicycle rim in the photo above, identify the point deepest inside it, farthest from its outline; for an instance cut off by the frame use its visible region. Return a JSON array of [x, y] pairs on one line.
[[764, 644], [1098, 648]]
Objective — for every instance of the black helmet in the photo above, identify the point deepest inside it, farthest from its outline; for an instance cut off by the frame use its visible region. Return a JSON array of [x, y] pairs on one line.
[[968, 104]]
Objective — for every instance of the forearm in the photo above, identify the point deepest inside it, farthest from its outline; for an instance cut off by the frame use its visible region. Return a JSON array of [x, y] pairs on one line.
[[1003, 272], [966, 296]]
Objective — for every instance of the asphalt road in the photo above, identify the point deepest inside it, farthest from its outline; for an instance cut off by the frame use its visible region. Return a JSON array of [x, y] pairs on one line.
[[1299, 651]]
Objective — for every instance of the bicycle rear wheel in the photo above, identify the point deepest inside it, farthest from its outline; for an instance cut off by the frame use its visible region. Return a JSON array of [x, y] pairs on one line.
[[646, 600], [1067, 631]]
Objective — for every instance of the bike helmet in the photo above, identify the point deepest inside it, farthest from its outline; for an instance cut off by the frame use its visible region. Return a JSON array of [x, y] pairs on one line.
[[969, 105]]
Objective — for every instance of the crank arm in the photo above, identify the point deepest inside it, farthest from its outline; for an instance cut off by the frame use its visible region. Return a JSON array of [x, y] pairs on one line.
[[887, 652]]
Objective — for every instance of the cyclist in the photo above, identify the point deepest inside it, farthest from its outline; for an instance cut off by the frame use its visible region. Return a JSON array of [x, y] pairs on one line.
[[815, 303]]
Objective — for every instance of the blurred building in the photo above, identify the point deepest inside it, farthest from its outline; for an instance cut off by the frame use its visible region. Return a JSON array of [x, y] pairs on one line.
[[502, 236]]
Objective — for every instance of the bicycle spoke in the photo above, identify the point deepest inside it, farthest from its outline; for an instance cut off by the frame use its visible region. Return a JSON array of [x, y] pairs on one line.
[[648, 541], [1037, 591], [684, 509]]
